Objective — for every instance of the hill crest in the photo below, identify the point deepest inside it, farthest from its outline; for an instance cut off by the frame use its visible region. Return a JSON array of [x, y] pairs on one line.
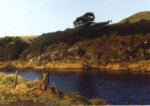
[[137, 17]]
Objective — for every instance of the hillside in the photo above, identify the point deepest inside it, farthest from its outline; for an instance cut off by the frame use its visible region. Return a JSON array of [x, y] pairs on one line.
[[137, 17], [82, 47], [11, 48], [28, 39]]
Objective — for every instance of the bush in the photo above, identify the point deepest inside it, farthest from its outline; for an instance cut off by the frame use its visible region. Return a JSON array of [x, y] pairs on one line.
[[11, 48]]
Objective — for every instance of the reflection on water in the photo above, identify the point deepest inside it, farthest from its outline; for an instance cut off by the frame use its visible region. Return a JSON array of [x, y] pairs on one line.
[[113, 87]]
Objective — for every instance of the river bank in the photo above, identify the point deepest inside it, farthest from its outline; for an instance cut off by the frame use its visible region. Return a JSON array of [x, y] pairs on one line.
[[27, 93], [142, 66]]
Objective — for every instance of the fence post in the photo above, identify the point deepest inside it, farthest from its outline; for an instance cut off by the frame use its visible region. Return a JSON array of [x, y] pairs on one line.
[[15, 79], [44, 82]]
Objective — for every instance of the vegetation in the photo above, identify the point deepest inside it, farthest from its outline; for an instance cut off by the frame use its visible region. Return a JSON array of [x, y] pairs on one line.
[[70, 36], [28, 39], [85, 20], [27, 93], [11, 48], [137, 17], [85, 29]]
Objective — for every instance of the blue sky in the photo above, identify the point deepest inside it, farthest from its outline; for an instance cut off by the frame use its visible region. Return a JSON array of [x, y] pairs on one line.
[[34, 17]]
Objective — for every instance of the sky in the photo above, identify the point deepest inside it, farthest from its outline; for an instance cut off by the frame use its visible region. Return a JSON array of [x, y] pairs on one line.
[[35, 17]]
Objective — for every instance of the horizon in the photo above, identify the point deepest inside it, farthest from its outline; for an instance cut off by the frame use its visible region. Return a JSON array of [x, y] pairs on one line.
[[25, 17]]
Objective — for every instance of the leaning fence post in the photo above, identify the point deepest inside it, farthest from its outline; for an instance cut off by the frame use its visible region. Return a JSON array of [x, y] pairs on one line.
[[15, 79], [55, 89]]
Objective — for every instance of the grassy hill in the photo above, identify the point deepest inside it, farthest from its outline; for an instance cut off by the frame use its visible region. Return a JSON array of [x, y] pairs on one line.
[[137, 17], [115, 43]]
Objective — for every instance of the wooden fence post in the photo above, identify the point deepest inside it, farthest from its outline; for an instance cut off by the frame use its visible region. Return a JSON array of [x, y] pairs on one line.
[[15, 79], [44, 84], [55, 87]]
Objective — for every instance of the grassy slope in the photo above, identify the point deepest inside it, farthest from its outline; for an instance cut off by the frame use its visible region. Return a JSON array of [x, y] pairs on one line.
[[137, 17], [28, 39]]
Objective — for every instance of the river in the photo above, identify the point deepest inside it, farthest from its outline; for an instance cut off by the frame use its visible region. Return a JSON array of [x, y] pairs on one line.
[[116, 87]]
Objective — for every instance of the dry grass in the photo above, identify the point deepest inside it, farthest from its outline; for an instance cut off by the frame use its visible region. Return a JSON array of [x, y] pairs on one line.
[[28, 39], [141, 66], [24, 93], [137, 17]]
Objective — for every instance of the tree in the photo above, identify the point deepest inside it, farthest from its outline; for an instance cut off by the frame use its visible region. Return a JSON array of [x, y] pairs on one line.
[[85, 20]]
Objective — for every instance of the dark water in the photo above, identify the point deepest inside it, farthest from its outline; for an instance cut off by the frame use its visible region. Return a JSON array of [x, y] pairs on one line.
[[114, 88]]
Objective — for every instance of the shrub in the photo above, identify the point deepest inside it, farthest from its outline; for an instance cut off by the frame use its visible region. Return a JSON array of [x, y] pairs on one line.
[[11, 48]]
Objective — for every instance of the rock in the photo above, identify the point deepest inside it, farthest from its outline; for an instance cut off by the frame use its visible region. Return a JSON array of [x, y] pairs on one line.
[[61, 55], [39, 58], [91, 58], [146, 42], [55, 52], [31, 61], [76, 47], [68, 61], [129, 49], [85, 63], [70, 50], [77, 57], [112, 60], [53, 57]]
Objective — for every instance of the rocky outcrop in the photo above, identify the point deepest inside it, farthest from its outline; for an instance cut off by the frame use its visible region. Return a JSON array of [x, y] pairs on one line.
[[136, 51], [92, 53]]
